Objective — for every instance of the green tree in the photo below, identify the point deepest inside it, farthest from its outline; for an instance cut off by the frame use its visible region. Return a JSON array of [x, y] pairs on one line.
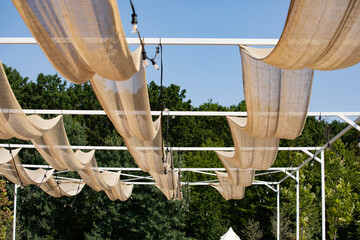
[[5, 212]]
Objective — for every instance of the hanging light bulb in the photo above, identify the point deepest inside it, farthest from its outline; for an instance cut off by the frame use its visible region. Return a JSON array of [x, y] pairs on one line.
[[359, 143], [134, 22], [156, 67], [312, 163], [319, 120], [157, 52], [145, 63], [342, 160]]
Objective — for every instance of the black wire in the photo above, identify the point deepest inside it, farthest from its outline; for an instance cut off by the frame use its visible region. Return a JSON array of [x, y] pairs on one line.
[[58, 184], [179, 176], [77, 191], [162, 101], [132, 7], [37, 186], [17, 172], [327, 140]]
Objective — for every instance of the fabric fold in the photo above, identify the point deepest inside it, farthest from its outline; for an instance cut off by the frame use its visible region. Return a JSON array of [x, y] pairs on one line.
[[277, 100], [12, 169], [85, 41], [80, 38], [250, 152], [321, 35], [226, 188]]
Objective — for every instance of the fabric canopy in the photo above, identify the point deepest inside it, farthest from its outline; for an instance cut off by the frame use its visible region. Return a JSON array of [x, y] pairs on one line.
[[85, 41], [322, 35], [277, 100], [227, 189], [107, 181], [250, 152], [12, 169], [80, 38], [50, 139]]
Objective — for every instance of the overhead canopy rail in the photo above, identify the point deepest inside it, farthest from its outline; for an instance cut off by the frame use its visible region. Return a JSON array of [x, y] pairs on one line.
[[169, 41]]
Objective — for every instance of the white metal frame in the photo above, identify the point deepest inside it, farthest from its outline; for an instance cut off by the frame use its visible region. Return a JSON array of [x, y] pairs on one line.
[[209, 41]]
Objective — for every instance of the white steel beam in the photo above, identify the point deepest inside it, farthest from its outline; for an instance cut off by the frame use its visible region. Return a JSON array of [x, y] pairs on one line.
[[323, 216], [166, 41], [312, 155], [175, 113], [123, 148], [297, 205], [349, 121], [278, 212], [14, 218], [345, 130]]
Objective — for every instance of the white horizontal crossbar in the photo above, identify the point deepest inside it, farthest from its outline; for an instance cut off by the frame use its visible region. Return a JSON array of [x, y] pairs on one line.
[[123, 148], [176, 113], [164, 41]]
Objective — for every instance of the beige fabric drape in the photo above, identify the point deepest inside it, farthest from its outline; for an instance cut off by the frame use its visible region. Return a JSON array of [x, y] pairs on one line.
[[80, 38], [227, 189], [107, 181], [322, 35], [86, 41], [13, 121], [12, 169], [169, 184], [277, 100], [250, 152], [50, 139]]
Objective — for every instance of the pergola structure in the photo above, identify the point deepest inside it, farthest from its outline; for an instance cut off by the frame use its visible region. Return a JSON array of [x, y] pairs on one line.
[[290, 172]]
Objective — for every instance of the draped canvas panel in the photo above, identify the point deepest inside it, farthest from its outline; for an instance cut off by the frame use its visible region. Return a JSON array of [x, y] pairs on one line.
[[80, 38], [226, 188], [13, 121], [169, 184], [250, 152], [55, 148], [50, 139], [12, 169], [59, 188], [277, 100], [120, 191], [127, 106], [322, 35], [86, 41], [105, 180]]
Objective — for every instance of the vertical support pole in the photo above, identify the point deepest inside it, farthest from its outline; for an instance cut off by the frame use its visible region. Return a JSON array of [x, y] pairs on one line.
[[323, 217], [278, 212], [297, 205], [14, 219]]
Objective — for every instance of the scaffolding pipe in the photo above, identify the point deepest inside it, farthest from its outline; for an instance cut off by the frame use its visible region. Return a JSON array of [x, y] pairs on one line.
[[323, 216], [278, 213], [166, 41], [173, 113], [124, 148], [297, 206], [14, 219]]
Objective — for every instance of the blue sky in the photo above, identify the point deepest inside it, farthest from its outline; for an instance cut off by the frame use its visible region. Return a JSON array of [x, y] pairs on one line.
[[204, 71]]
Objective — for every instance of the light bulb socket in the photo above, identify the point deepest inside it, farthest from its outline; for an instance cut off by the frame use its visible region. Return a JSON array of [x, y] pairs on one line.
[[134, 20]]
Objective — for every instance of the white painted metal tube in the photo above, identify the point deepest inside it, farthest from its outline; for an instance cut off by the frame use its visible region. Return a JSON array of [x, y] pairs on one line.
[[167, 41], [176, 113], [297, 206], [323, 213], [278, 213], [123, 148], [14, 219]]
